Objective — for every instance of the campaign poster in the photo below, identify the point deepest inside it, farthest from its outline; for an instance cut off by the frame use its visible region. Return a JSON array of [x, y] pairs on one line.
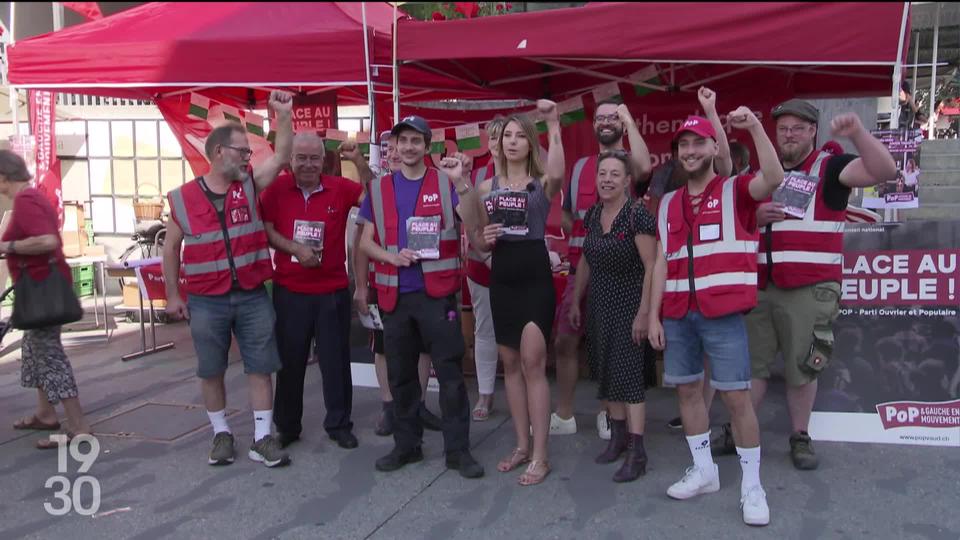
[[894, 376], [904, 192]]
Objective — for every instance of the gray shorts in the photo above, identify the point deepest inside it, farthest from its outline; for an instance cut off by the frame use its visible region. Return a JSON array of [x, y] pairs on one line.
[[249, 316]]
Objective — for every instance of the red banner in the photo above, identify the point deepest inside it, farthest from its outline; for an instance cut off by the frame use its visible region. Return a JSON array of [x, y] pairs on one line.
[[900, 278], [941, 414], [42, 120], [152, 284], [315, 113]]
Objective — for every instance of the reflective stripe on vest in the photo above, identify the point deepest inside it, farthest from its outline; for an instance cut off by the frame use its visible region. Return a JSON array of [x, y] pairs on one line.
[[436, 273], [722, 272], [206, 244], [805, 243], [224, 264], [714, 280], [575, 182]]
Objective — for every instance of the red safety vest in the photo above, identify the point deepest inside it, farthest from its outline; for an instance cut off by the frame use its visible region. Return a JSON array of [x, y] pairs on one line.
[[476, 269], [205, 262], [482, 173], [442, 276], [724, 258], [583, 195], [809, 250]]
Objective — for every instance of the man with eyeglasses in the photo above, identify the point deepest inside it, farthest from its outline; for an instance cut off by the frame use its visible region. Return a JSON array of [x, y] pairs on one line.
[[610, 121], [800, 255], [226, 260], [305, 215]]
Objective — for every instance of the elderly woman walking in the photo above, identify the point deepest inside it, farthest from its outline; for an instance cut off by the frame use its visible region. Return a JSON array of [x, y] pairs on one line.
[[31, 243]]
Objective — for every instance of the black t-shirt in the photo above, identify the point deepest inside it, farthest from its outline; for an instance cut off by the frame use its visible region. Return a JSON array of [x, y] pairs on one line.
[[218, 200], [835, 194]]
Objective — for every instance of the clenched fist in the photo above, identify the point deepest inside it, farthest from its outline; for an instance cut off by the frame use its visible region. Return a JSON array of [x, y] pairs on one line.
[[743, 118], [846, 125]]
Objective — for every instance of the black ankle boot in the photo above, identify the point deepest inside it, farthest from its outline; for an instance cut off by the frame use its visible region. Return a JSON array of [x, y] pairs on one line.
[[617, 444], [635, 463]]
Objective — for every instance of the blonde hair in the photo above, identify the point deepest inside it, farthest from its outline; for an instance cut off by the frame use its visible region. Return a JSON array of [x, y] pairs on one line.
[[534, 162]]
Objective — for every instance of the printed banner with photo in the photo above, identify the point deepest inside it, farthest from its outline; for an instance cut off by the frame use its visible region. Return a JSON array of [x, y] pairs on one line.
[[904, 192], [895, 372]]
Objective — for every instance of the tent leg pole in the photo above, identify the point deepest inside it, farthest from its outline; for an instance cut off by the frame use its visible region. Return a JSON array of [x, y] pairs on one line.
[[366, 54], [933, 74], [396, 70]]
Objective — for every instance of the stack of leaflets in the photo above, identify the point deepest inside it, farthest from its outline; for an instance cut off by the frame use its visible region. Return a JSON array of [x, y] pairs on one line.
[[309, 233], [423, 236], [509, 208], [795, 193]]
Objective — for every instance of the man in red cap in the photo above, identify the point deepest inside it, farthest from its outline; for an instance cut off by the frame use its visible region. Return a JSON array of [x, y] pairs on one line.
[[800, 262], [705, 280]]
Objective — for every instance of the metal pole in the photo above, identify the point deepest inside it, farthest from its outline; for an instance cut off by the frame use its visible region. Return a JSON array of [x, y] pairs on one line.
[[396, 70], [898, 71], [916, 59], [57, 15], [14, 102], [933, 74], [366, 54]]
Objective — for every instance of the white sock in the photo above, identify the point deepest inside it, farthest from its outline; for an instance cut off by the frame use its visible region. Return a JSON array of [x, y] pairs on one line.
[[700, 449], [750, 465], [219, 421], [261, 423]]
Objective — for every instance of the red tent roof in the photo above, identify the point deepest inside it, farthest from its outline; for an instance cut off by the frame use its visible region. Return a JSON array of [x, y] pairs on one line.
[[225, 49], [564, 51], [179, 44]]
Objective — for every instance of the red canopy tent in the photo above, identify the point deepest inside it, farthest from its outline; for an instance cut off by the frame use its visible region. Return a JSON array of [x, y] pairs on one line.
[[221, 49], [234, 53], [658, 54], [847, 48]]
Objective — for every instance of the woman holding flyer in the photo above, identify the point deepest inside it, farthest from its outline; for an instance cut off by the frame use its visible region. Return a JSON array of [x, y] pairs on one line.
[[619, 252], [522, 298]]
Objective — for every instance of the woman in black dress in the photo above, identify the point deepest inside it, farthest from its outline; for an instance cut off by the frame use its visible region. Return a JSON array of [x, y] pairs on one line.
[[522, 297], [619, 251]]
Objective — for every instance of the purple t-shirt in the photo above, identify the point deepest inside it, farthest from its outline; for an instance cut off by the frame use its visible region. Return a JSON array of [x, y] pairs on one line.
[[407, 191]]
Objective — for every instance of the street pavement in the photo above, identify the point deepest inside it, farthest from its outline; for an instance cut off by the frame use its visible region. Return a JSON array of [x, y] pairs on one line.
[[155, 481]]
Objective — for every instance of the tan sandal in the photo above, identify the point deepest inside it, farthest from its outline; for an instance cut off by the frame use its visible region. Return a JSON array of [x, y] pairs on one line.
[[516, 458], [531, 477]]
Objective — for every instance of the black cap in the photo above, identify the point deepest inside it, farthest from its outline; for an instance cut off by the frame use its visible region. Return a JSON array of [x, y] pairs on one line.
[[798, 108], [415, 123]]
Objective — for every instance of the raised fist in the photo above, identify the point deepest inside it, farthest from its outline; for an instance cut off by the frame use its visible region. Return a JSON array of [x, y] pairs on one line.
[[281, 102], [452, 166], [743, 118], [350, 150], [846, 125], [548, 109], [708, 99]]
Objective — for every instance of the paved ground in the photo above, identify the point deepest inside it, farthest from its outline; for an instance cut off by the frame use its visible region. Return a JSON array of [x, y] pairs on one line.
[[860, 491]]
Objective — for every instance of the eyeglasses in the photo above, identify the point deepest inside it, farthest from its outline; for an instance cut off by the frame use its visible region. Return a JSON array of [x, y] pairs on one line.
[[798, 129], [245, 152], [619, 154], [606, 118]]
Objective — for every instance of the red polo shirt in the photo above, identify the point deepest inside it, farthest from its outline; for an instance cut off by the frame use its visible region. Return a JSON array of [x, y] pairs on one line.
[[284, 202]]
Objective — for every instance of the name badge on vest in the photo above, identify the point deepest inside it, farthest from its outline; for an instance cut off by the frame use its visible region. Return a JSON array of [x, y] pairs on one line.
[[240, 215], [709, 231], [795, 193]]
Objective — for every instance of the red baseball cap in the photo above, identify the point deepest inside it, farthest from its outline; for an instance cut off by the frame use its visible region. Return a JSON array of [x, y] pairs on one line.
[[696, 124]]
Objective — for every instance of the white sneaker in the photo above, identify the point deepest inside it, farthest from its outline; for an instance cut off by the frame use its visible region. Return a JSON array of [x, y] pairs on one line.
[[559, 426], [754, 506], [603, 425], [695, 481]]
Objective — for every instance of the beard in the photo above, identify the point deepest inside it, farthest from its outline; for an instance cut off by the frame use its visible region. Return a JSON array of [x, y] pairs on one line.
[[613, 138], [699, 172], [794, 154]]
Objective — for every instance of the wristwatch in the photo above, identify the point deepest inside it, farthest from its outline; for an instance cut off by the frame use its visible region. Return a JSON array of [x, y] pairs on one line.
[[10, 247]]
